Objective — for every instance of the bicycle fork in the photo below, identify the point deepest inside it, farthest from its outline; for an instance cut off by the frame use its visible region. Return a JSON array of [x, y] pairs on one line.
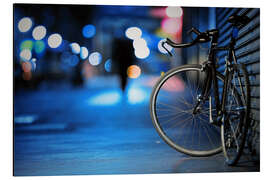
[[206, 88]]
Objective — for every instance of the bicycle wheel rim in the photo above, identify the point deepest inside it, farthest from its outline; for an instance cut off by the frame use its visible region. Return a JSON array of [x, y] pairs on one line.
[[165, 135]]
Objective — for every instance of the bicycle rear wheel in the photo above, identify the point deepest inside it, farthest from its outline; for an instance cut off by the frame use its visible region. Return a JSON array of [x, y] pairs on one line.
[[172, 103], [235, 121]]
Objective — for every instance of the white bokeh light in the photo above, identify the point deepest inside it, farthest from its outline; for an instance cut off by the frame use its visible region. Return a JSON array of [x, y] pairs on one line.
[[174, 12], [25, 55], [54, 40], [137, 95], [142, 53], [39, 32], [83, 53], [33, 63], [133, 33], [75, 48], [95, 58], [25, 24], [167, 46], [139, 43]]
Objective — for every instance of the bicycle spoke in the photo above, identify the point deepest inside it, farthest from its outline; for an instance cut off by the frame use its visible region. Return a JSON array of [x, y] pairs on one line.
[[169, 120], [172, 107], [182, 126], [169, 114], [234, 134], [208, 136], [190, 122], [180, 122]]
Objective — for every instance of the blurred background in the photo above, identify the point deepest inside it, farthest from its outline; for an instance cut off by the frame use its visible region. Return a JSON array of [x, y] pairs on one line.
[[74, 45], [85, 72]]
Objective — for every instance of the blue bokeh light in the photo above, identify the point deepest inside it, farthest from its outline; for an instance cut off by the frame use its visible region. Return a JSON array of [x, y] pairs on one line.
[[88, 31], [65, 57], [74, 60], [69, 59], [108, 65]]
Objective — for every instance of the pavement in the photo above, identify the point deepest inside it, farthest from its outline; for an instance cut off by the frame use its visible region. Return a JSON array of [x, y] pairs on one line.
[[98, 130]]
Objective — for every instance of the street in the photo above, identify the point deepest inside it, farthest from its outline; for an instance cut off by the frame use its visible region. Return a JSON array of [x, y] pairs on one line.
[[90, 131]]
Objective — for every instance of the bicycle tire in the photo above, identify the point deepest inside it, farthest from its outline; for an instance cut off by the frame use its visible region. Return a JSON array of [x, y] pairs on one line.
[[156, 120], [229, 134]]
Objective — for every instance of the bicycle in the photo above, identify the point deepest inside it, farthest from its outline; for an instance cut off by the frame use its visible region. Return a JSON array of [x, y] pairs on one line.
[[193, 105]]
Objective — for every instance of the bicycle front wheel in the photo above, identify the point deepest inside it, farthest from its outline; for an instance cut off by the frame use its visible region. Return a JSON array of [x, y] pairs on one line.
[[172, 110], [235, 121]]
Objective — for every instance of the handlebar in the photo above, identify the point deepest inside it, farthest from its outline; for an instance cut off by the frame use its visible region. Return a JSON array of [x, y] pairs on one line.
[[181, 45], [201, 38], [207, 35]]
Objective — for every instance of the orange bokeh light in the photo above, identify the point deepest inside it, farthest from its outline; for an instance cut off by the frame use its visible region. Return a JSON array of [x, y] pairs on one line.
[[27, 76], [26, 66], [133, 71]]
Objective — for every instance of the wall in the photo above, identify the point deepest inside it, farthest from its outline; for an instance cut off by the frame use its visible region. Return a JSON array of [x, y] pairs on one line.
[[247, 52]]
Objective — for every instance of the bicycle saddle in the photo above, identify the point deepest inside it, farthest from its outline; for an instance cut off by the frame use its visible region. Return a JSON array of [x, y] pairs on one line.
[[238, 20]]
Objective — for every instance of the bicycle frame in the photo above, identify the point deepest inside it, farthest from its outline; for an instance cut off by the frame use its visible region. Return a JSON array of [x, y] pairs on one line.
[[211, 77]]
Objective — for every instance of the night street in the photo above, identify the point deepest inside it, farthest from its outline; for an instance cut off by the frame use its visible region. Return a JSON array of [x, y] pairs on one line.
[[98, 130]]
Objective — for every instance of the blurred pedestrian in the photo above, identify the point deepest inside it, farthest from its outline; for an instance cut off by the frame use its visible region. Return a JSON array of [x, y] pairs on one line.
[[123, 57]]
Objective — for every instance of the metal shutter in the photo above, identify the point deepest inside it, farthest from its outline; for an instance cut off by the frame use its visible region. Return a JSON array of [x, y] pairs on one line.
[[247, 52]]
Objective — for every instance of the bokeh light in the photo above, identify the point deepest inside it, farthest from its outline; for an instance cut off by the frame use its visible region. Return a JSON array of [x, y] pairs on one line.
[[167, 46], [33, 64], [26, 44], [39, 46], [139, 43], [88, 31], [142, 53], [26, 66], [69, 59], [39, 32], [136, 95], [95, 58], [73, 60], [65, 56], [174, 84], [25, 119], [174, 12], [108, 65], [84, 53], [133, 71], [88, 71], [171, 25], [54, 40], [106, 98], [25, 55], [25, 24], [75, 48], [27, 76], [133, 33]]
